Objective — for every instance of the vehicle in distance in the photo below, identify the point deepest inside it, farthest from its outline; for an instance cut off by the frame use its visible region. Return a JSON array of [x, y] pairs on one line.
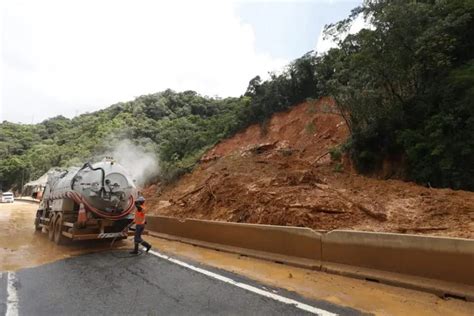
[[7, 197]]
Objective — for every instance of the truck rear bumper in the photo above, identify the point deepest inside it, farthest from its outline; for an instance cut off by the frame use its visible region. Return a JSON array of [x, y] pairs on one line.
[[97, 236]]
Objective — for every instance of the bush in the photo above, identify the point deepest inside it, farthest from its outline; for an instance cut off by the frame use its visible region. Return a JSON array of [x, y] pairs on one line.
[[310, 128], [338, 167], [335, 153]]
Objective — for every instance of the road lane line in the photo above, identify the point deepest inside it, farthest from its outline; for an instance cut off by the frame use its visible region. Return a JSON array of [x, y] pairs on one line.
[[12, 295], [276, 297]]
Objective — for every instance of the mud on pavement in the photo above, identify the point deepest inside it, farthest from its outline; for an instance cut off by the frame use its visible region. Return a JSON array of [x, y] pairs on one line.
[[22, 247]]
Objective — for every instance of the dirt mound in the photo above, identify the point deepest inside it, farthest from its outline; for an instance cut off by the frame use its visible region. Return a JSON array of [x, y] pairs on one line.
[[282, 174], [310, 129]]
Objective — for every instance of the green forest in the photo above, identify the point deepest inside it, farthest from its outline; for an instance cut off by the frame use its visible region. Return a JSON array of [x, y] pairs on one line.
[[405, 87]]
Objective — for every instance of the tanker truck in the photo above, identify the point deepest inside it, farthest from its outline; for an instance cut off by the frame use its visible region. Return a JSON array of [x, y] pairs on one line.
[[95, 201]]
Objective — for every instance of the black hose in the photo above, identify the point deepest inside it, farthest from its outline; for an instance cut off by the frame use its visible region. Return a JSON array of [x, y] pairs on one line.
[[103, 173], [88, 165]]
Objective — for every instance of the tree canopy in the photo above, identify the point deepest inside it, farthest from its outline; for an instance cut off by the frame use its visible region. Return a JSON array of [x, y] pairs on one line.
[[406, 85]]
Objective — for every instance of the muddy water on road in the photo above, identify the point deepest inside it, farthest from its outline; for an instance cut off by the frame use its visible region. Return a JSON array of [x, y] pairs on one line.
[[22, 247]]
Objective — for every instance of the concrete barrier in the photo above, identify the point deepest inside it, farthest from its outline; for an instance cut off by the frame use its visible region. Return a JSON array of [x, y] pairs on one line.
[[386, 257], [27, 200], [444, 266], [295, 245]]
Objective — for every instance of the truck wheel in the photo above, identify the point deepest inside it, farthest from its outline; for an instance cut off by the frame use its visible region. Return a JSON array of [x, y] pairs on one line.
[[37, 222], [51, 225], [59, 238]]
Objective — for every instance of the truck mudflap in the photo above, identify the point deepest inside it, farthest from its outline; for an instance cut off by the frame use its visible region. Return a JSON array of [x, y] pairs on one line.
[[97, 236]]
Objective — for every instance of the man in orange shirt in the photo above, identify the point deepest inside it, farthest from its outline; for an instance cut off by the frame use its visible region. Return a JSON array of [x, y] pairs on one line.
[[140, 225]]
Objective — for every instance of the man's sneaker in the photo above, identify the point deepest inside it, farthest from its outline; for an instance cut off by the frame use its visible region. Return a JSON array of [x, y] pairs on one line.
[[148, 248]]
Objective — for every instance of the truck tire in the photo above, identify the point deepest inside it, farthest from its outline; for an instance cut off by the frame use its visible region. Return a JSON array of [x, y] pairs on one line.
[[51, 226], [59, 238], [37, 222]]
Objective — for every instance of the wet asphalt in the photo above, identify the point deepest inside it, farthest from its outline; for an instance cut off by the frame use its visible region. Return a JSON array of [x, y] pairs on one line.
[[116, 283]]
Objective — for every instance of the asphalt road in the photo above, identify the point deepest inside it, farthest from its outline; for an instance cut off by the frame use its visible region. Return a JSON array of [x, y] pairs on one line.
[[115, 283]]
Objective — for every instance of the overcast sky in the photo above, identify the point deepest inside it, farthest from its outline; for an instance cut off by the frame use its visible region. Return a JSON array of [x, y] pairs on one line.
[[69, 57]]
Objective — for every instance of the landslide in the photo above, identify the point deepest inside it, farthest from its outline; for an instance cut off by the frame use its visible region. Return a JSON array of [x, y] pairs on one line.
[[282, 174]]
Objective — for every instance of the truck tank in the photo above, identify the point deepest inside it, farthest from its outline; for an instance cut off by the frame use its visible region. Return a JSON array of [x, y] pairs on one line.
[[93, 201]]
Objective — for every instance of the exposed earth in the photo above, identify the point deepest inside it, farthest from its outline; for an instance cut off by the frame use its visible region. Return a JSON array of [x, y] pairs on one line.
[[283, 174]]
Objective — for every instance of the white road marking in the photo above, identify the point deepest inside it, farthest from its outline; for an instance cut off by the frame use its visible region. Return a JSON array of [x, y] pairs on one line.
[[276, 297], [12, 296]]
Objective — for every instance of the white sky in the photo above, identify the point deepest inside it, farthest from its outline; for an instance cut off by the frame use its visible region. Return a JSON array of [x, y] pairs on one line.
[[325, 44], [69, 57]]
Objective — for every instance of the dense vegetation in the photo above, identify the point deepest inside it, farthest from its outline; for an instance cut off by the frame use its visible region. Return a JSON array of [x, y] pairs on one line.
[[177, 126], [405, 87]]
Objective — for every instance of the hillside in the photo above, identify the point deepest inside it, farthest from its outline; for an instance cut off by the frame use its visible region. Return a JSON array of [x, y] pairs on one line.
[[174, 128], [286, 177], [404, 87]]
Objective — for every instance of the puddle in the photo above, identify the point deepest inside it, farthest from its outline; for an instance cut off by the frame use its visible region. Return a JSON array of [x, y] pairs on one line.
[[22, 247]]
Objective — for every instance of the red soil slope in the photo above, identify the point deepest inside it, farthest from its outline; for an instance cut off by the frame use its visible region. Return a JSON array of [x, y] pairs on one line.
[[286, 177]]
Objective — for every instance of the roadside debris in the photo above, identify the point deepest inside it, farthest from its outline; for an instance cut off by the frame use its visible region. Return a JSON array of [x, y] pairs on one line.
[[286, 177]]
